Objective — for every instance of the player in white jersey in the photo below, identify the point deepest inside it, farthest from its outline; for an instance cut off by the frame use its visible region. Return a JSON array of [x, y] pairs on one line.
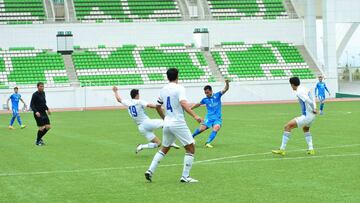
[[146, 126], [308, 107], [173, 97]]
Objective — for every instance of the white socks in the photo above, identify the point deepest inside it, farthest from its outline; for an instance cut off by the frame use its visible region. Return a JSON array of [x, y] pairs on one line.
[[188, 161], [149, 145], [285, 139], [308, 139], [156, 160]]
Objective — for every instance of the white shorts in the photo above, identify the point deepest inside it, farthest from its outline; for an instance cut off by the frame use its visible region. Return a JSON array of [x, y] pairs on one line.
[[305, 121], [148, 126], [180, 132]]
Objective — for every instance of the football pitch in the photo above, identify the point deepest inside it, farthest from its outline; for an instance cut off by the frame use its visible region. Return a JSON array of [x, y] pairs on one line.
[[89, 157]]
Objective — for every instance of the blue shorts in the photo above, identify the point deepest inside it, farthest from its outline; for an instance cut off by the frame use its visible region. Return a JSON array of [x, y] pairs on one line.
[[15, 112], [321, 98], [211, 122]]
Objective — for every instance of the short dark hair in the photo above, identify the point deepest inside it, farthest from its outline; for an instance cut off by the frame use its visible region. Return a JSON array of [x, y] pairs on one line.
[[39, 83], [172, 74], [134, 93], [207, 87], [16, 88], [295, 81]]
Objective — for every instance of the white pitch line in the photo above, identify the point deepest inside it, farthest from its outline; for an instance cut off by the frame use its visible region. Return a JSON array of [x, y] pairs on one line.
[[207, 161]]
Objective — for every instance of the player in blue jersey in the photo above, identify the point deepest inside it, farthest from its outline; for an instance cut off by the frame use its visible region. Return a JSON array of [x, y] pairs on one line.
[[15, 99], [213, 118], [320, 93]]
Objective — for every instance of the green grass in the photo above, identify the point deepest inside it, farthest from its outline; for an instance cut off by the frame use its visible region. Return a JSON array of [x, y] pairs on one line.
[[82, 142]]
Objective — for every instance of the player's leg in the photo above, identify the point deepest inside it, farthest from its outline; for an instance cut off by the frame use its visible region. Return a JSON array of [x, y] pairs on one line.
[[199, 130], [183, 134], [168, 139], [286, 135], [322, 103], [154, 142], [308, 139], [216, 127], [14, 115], [20, 122], [40, 134], [153, 124]]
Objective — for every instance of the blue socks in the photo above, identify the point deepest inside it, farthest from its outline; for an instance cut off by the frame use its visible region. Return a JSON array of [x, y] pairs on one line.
[[212, 136], [321, 106], [196, 132], [19, 120]]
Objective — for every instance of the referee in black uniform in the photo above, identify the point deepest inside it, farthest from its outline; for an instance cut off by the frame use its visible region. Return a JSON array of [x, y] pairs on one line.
[[40, 109]]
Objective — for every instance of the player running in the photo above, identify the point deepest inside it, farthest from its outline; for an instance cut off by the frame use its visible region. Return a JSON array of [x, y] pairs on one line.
[[146, 126], [173, 97], [308, 107], [320, 93], [213, 118], [15, 98]]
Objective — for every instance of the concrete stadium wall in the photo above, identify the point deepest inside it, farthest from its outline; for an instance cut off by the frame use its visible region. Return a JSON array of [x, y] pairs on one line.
[[149, 33], [82, 97]]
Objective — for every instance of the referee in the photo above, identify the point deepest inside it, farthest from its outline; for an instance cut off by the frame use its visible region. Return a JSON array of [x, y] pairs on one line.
[[39, 107]]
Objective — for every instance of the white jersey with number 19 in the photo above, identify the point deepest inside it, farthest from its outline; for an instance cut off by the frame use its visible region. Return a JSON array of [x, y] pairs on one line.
[[170, 97], [136, 109]]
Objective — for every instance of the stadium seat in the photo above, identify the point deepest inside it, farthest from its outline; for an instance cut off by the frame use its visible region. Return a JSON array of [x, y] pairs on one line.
[[268, 61], [18, 12], [247, 9], [98, 11], [136, 65], [26, 66]]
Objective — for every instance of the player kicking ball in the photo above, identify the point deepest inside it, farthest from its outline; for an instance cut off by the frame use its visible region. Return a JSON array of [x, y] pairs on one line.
[[320, 93], [308, 107], [146, 126], [213, 118], [15, 99], [173, 97]]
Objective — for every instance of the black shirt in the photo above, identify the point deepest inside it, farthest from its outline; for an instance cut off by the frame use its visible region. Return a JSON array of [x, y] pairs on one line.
[[38, 102]]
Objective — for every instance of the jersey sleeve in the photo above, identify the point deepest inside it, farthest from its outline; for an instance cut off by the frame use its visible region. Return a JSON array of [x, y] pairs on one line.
[[144, 103], [126, 102], [219, 94], [159, 101], [182, 94], [202, 101]]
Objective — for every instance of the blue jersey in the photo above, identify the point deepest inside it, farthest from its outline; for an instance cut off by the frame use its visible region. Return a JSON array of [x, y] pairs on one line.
[[15, 98], [213, 106], [320, 89]]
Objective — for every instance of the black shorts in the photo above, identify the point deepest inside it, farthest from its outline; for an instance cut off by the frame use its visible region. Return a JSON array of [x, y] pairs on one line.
[[42, 120]]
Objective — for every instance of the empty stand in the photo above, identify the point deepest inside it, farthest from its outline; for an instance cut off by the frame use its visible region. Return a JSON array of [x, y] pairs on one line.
[[268, 61], [136, 65], [21, 12], [126, 10], [27, 66]]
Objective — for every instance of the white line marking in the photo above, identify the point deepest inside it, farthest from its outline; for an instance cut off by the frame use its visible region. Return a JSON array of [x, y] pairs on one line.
[[207, 161]]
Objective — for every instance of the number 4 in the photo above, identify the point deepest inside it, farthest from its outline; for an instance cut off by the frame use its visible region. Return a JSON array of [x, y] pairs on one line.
[[168, 104]]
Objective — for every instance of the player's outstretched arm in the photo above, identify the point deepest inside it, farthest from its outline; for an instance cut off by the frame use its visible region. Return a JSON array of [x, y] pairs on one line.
[[327, 90], [7, 103], [194, 106], [117, 96], [188, 110], [151, 106], [226, 88]]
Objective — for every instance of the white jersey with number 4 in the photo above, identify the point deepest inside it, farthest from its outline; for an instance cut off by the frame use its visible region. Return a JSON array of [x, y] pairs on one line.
[[136, 109], [170, 97]]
